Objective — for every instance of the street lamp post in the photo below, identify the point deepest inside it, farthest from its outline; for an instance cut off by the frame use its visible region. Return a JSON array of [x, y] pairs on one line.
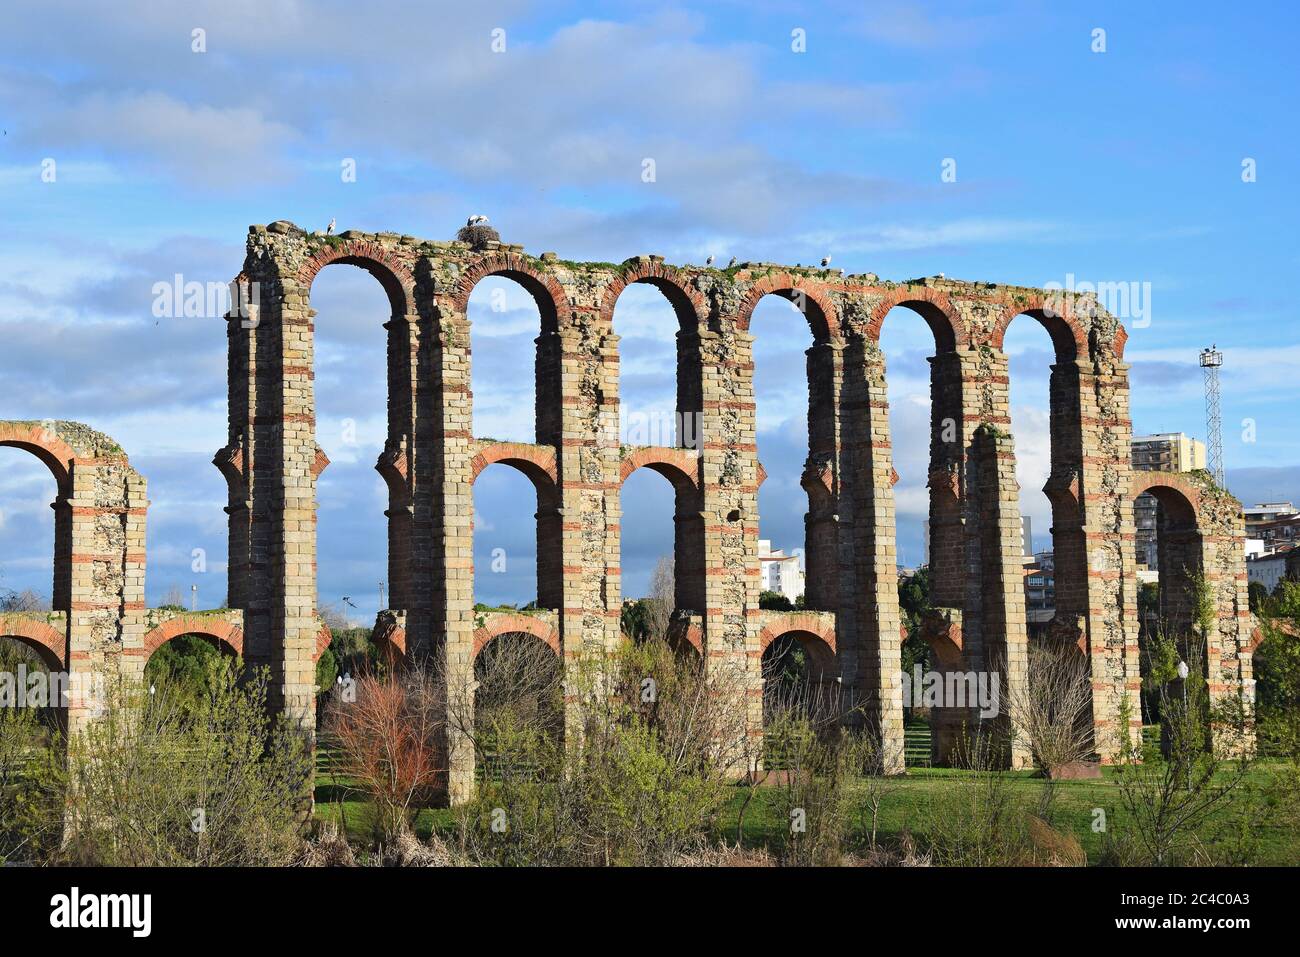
[[1183, 672]]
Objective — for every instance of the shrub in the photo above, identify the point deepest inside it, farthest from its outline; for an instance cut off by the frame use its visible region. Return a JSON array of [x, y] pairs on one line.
[[389, 737], [643, 784], [165, 779]]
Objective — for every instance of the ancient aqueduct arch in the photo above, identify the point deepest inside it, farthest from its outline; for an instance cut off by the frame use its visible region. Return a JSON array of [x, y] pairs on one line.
[[431, 459]]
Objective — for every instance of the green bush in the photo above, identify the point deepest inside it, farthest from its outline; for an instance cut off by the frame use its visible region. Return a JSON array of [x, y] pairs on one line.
[[180, 776], [645, 786]]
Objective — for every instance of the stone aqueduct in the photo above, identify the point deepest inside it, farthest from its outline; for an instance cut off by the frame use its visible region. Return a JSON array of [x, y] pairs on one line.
[[431, 459]]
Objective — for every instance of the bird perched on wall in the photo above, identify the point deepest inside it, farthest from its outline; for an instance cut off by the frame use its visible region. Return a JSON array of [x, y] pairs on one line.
[[732, 263], [826, 261], [329, 230], [709, 261], [478, 219]]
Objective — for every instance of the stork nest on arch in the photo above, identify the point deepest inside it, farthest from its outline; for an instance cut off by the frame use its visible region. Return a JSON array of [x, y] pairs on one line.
[[477, 237]]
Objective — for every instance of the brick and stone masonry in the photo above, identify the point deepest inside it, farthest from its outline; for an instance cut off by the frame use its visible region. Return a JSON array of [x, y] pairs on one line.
[[852, 625]]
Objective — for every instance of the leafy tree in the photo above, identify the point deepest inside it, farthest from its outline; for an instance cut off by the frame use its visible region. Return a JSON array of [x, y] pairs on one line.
[[1277, 674], [914, 602], [914, 595], [354, 652], [774, 601], [327, 670], [184, 662], [633, 619]]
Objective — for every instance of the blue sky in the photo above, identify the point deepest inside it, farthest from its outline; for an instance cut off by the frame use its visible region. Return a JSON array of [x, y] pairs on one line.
[[1115, 166]]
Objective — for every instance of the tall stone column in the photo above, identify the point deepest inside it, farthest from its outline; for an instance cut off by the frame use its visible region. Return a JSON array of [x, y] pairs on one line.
[[448, 503], [943, 627], [869, 625], [584, 392], [107, 503], [728, 446], [994, 633], [1108, 591]]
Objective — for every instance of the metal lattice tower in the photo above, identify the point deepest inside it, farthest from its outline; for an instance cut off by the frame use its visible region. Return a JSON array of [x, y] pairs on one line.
[[1211, 360]]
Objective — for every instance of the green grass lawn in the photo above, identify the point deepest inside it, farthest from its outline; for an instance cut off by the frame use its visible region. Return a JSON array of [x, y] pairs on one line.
[[908, 803]]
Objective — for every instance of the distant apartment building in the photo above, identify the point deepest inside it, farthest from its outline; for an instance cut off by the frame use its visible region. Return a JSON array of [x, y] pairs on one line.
[[1279, 533], [1040, 592], [1263, 514], [1271, 568], [779, 572], [1163, 452]]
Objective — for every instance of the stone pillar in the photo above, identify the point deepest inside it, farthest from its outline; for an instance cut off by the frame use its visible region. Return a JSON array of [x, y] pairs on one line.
[[994, 634], [450, 506], [869, 626], [821, 477], [395, 461], [731, 616], [584, 392], [107, 502], [1108, 551], [1228, 674]]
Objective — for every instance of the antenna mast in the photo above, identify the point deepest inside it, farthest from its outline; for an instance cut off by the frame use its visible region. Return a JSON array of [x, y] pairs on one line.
[[1211, 360]]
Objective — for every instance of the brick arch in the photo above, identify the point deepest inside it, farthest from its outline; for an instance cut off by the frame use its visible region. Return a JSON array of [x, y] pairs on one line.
[[323, 638], [226, 633], [43, 443], [1121, 339], [230, 463], [552, 302], [942, 635], [392, 467], [676, 465], [499, 625], [932, 305], [536, 462], [46, 641], [392, 637], [393, 275], [808, 630], [1179, 497], [687, 302], [817, 482], [319, 463], [810, 625], [1257, 634], [820, 311], [1069, 337], [686, 635]]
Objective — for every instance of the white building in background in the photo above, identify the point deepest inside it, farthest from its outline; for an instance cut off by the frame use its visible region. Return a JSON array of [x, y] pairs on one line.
[[1268, 569], [779, 572]]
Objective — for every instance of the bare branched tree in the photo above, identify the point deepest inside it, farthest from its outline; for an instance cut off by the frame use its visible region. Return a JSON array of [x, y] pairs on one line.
[[1051, 710], [25, 600], [389, 734], [662, 599]]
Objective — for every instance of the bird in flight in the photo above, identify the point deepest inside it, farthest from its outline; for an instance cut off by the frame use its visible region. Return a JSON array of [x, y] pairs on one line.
[[329, 230]]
